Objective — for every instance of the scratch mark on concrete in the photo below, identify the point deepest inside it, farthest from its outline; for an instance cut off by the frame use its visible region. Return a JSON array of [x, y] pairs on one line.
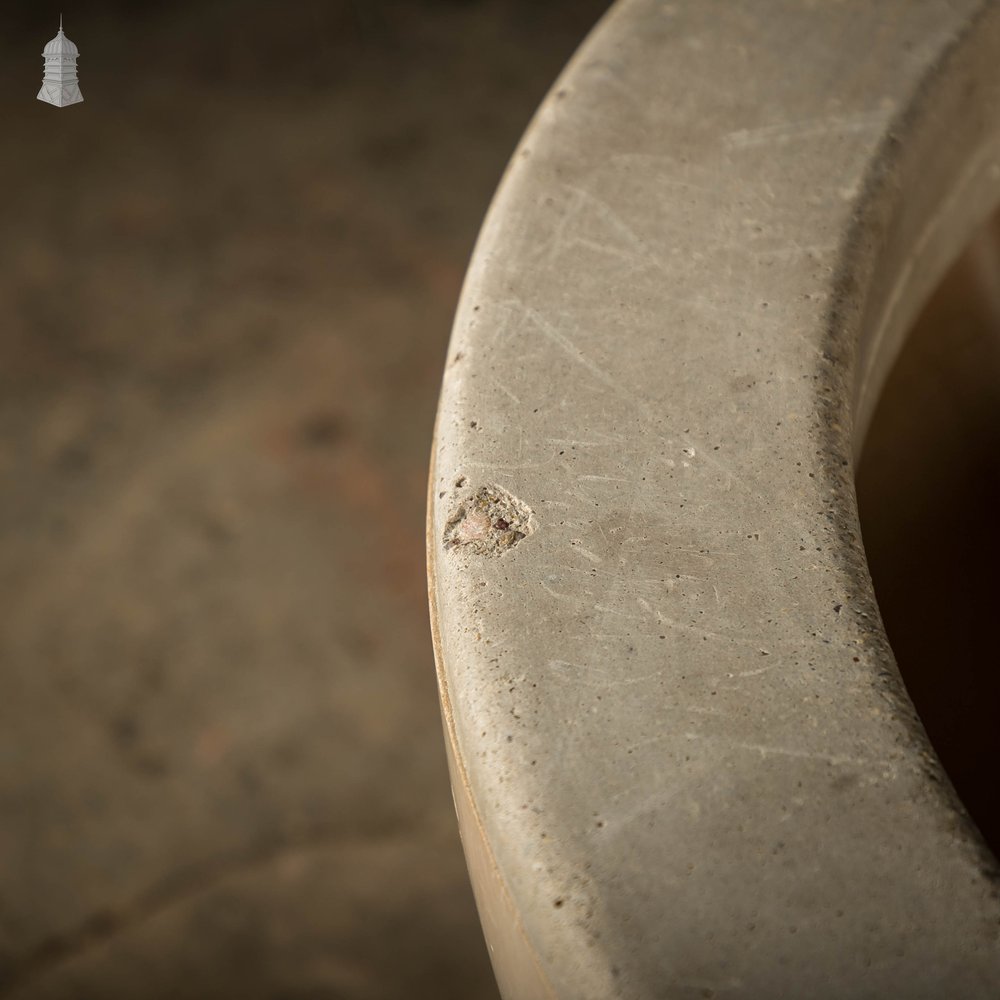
[[506, 391], [592, 556], [773, 751], [612, 218], [555, 593], [567, 345], [752, 673], [809, 128]]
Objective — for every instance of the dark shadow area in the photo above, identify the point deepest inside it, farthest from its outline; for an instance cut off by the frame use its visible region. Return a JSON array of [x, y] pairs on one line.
[[929, 496], [227, 280]]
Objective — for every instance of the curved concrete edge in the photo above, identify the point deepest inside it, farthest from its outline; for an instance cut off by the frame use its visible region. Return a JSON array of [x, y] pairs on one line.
[[738, 882], [932, 183], [515, 963]]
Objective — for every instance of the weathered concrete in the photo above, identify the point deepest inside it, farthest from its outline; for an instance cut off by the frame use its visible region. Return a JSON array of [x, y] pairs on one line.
[[684, 759]]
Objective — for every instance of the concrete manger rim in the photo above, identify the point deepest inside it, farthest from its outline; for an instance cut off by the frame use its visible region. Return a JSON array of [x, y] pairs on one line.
[[551, 674]]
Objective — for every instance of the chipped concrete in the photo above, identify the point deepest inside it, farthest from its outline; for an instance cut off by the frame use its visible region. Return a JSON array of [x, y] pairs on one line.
[[488, 523], [699, 267]]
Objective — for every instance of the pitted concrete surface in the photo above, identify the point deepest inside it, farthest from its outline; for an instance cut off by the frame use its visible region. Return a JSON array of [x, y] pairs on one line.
[[674, 714]]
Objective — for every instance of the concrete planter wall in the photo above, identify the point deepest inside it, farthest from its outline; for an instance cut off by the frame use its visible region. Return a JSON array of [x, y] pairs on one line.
[[684, 760]]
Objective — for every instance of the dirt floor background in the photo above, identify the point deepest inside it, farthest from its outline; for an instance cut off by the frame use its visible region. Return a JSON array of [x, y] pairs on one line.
[[226, 286]]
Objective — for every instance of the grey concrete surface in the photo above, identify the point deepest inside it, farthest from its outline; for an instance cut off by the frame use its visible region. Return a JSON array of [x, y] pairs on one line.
[[226, 282], [686, 760]]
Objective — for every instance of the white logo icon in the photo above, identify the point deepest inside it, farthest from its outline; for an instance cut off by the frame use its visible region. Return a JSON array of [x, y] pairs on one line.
[[59, 85]]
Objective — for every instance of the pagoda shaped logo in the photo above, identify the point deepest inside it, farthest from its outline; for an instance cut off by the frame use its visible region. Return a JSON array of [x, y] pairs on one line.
[[59, 84]]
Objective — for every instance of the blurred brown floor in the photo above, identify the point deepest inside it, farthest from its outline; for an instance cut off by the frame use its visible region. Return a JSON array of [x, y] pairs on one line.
[[226, 284]]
